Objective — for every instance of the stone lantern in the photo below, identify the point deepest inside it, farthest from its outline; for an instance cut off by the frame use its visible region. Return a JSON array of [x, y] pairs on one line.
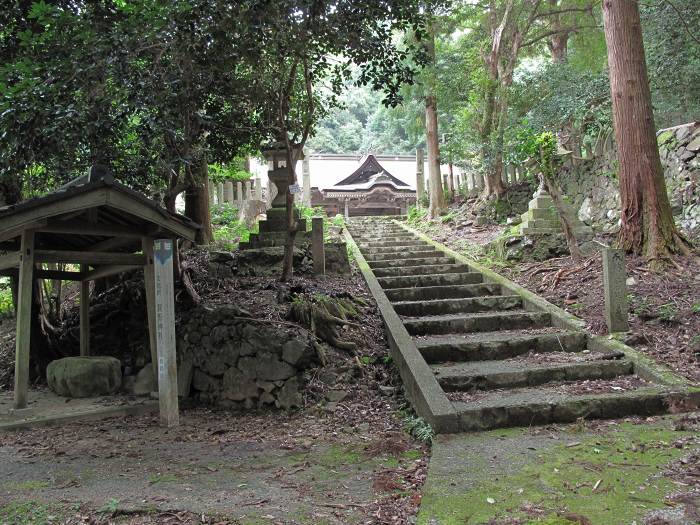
[[278, 173]]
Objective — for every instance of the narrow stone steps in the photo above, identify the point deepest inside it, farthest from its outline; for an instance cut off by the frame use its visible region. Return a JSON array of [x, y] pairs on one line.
[[404, 263], [373, 238], [491, 375], [432, 269], [543, 406], [478, 322], [497, 345], [459, 305], [398, 256], [445, 279], [428, 293]]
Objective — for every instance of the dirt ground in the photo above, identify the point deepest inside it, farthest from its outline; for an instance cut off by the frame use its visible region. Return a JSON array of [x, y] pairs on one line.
[[354, 466]]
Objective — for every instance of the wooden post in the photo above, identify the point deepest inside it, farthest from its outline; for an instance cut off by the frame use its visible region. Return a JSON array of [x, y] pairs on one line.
[[165, 332], [149, 282], [347, 211], [24, 319], [318, 251], [84, 313], [615, 288]]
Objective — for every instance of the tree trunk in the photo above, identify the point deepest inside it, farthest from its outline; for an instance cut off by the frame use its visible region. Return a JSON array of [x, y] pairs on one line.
[[288, 259], [492, 150], [647, 222], [197, 205], [437, 195], [453, 186], [559, 42]]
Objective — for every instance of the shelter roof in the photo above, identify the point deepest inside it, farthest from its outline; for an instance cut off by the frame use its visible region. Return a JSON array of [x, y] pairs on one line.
[[85, 214]]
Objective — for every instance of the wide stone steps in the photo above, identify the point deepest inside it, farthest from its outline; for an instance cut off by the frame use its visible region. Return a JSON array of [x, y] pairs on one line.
[[491, 375], [431, 269], [458, 306], [478, 322], [496, 360], [497, 345], [444, 279]]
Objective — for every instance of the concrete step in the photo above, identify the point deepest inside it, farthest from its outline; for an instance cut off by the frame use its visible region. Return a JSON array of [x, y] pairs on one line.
[[399, 256], [405, 263], [432, 269], [407, 251], [479, 322], [427, 293], [497, 345], [381, 243], [446, 279], [490, 375], [545, 405], [384, 237], [458, 306]]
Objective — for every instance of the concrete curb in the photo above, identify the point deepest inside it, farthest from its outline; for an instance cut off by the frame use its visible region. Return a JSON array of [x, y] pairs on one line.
[[644, 367], [422, 389]]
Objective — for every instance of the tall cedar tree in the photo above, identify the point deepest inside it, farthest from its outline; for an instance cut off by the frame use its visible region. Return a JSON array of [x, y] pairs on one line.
[[647, 221]]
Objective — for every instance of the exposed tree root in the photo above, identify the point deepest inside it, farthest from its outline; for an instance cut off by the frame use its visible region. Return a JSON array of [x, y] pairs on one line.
[[323, 315]]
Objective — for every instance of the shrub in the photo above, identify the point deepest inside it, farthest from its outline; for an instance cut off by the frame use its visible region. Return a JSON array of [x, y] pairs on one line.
[[6, 304]]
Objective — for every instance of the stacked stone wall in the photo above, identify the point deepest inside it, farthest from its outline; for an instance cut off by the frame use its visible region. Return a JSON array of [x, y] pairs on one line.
[[235, 362]]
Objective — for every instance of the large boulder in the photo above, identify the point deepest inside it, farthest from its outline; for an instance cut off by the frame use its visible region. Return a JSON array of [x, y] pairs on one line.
[[84, 376]]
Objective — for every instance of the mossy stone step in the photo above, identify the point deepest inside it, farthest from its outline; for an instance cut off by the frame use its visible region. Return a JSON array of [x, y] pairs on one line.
[[422, 270], [490, 375], [405, 263], [459, 305], [542, 406], [497, 345], [397, 255], [442, 292], [479, 322], [409, 281]]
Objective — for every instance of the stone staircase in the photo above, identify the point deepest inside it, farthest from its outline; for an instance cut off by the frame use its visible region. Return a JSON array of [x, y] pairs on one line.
[[498, 360]]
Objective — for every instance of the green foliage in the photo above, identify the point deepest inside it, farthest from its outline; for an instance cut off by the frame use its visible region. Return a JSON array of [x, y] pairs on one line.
[[416, 214], [224, 214], [228, 172], [416, 426], [6, 304], [228, 236]]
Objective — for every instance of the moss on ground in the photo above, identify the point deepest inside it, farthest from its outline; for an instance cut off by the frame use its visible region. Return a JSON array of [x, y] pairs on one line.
[[609, 479], [29, 512]]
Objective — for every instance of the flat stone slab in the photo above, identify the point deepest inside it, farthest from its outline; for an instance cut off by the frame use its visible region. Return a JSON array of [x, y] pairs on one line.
[[497, 345], [458, 305], [391, 256], [487, 375], [421, 270], [46, 408], [430, 280], [442, 292], [405, 263], [477, 322]]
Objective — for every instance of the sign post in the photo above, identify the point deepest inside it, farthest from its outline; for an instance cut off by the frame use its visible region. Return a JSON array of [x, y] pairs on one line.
[[165, 332]]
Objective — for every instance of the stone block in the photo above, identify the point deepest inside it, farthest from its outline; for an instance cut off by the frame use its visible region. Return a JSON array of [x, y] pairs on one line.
[[615, 289], [84, 376]]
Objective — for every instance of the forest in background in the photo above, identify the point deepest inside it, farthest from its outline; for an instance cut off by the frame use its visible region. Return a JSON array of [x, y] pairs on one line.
[[548, 91]]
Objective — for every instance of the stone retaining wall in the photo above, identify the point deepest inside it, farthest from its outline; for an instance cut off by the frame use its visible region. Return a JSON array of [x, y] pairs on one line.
[[234, 362], [592, 185]]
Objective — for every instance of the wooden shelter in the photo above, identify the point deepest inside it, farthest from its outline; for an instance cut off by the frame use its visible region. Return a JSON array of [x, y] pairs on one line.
[[100, 226]]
